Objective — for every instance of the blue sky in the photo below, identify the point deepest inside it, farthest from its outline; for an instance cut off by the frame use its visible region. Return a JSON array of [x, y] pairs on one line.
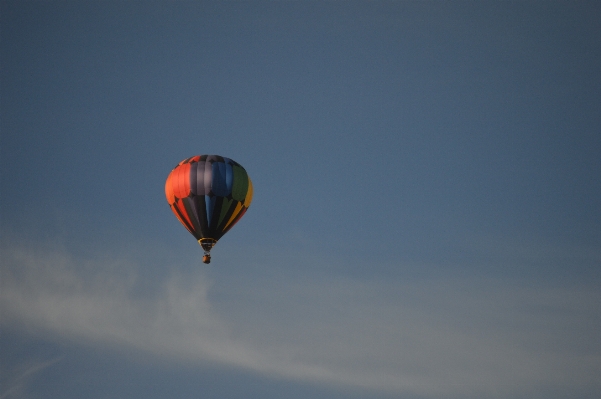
[[426, 215]]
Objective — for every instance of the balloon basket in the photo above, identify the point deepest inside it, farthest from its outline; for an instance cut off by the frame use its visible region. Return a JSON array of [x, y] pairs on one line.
[[207, 244]]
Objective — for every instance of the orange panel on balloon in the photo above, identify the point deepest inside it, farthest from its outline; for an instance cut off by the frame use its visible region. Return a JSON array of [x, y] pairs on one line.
[[181, 186]]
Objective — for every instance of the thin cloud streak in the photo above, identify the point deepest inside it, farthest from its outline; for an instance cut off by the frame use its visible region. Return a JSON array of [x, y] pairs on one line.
[[458, 337], [17, 384]]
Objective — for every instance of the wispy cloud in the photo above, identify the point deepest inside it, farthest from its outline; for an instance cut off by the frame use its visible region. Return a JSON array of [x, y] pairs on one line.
[[463, 337], [14, 386]]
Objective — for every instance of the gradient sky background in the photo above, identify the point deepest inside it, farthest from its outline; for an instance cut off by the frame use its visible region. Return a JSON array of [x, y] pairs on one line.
[[427, 212]]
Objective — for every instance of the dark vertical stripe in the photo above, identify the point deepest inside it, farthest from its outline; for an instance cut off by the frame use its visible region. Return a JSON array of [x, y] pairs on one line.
[[229, 176], [225, 209], [201, 209], [192, 214], [197, 183], [210, 203], [215, 215], [192, 177], [219, 185]]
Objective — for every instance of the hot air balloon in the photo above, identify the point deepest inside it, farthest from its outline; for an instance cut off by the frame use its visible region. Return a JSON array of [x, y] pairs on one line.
[[208, 194]]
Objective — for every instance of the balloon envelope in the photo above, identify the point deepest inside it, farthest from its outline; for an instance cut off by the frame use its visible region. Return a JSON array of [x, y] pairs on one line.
[[208, 194]]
